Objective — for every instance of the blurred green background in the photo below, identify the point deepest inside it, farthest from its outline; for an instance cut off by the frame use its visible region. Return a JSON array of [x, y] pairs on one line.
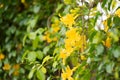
[[17, 17]]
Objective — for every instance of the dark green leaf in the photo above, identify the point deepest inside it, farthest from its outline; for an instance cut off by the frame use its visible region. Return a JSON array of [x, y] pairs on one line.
[[103, 3]]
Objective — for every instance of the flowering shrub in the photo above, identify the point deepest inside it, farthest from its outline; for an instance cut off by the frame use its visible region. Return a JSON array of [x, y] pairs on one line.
[[81, 42]]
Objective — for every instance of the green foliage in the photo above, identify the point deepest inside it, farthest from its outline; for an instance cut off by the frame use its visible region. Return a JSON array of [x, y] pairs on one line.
[[19, 18]]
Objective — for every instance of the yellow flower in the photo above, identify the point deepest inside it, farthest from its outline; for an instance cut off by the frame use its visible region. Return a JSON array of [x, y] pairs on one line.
[[55, 26], [16, 73], [6, 67], [55, 39], [67, 73], [108, 42], [73, 35], [118, 12], [69, 49], [68, 20], [105, 25], [16, 66], [2, 56], [82, 57], [47, 37], [63, 54]]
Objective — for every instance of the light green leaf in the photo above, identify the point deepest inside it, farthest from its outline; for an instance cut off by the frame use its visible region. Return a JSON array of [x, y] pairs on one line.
[[43, 69], [46, 49], [30, 75], [55, 64], [116, 52], [39, 54], [39, 31], [46, 59], [31, 56], [36, 8], [32, 35], [99, 49], [24, 55], [35, 42], [24, 39], [40, 75], [109, 67]]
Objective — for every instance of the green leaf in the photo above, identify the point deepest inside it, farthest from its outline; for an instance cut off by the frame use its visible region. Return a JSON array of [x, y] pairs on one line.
[[31, 56], [46, 59], [36, 8], [59, 7], [55, 64], [32, 35], [109, 67], [46, 49], [24, 39], [68, 1], [116, 52], [99, 49], [30, 75], [39, 31], [92, 34], [39, 55], [116, 21], [24, 55], [35, 42], [100, 66], [109, 4], [40, 75], [104, 2], [43, 69], [96, 17]]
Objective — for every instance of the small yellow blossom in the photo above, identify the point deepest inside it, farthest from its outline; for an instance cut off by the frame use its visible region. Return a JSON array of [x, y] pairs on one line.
[[82, 57], [6, 67], [55, 26], [16, 69], [108, 42], [73, 35], [16, 66], [47, 37], [68, 20], [118, 12], [16, 73], [69, 49], [2, 56], [67, 73], [63, 54], [105, 26]]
